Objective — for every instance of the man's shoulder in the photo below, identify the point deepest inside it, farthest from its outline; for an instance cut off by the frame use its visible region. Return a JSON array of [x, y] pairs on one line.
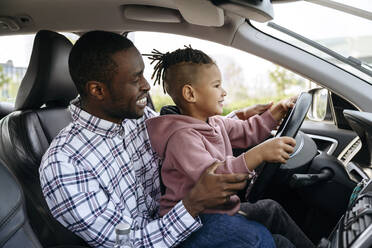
[[64, 141]]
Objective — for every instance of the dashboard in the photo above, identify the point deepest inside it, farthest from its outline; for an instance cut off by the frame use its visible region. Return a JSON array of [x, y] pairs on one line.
[[355, 171], [355, 226], [357, 156]]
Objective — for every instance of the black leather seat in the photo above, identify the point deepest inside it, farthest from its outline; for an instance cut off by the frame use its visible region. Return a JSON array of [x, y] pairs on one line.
[[5, 108], [15, 230], [25, 134]]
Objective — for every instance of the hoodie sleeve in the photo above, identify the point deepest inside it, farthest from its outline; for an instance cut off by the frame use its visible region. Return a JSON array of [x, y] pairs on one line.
[[186, 153], [243, 134]]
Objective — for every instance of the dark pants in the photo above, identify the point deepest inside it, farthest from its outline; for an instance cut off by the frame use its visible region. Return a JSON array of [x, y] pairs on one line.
[[221, 230], [270, 214]]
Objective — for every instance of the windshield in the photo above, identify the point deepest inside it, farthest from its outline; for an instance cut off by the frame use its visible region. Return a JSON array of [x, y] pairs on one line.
[[346, 34]]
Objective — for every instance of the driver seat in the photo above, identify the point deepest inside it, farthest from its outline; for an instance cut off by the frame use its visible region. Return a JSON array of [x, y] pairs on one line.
[[25, 134]]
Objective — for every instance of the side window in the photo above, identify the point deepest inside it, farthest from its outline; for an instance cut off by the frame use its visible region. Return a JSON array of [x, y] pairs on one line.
[[247, 79], [15, 53]]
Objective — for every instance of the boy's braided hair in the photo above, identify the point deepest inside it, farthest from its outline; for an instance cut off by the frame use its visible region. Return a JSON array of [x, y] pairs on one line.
[[166, 60]]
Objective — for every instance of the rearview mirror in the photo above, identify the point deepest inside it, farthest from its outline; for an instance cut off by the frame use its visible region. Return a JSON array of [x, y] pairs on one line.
[[319, 109]]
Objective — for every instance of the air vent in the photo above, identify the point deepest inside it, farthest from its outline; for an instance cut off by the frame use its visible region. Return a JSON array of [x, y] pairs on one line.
[[350, 151], [7, 23]]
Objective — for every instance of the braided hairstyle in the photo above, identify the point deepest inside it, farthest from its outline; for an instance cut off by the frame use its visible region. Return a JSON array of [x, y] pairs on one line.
[[165, 60]]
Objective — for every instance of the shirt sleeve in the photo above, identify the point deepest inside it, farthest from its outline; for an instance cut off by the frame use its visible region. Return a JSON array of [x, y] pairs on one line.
[[243, 134], [76, 199]]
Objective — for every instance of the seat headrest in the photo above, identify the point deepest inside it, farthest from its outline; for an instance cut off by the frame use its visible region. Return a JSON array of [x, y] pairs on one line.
[[47, 79]]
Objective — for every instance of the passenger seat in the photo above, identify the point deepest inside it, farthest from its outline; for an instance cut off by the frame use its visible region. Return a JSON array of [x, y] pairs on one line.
[[15, 230]]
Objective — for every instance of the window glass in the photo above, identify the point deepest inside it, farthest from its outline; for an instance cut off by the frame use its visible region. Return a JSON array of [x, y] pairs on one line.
[[247, 79], [15, 53], [348, 35]]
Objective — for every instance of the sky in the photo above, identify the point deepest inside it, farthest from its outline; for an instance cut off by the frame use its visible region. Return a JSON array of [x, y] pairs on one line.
[[325, 22], [18, 48]]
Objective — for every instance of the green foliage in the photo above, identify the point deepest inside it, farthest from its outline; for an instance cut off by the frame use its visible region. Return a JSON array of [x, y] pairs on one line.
[[284, 79], [3, 78], [8, 89], [13, 90], [250, 102], [161, 100]]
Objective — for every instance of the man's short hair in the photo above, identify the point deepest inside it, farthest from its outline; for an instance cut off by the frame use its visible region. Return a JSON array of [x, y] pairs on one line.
[[91, 58]]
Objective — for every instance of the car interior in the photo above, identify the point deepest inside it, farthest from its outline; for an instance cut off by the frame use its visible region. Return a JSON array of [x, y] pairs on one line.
[[326, 185]]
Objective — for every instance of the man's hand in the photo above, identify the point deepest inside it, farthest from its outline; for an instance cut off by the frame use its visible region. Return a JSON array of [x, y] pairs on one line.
[[213, 189], [257, 109], [279, 110]]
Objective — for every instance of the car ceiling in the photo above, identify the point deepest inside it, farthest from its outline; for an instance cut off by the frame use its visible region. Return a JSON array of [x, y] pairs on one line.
[[197, 18]]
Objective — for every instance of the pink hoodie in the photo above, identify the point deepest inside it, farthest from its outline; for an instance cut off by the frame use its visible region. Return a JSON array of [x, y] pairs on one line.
[[188, 146]]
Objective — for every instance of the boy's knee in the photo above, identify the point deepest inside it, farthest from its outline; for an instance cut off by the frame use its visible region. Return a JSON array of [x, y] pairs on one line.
[[281, 241], [272, 206]]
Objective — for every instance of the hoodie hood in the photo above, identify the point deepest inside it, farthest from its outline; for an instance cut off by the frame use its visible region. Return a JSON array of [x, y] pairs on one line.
[[161, 128], [170, 110]]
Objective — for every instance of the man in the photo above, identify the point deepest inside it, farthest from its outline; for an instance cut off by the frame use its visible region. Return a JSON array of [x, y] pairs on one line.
[[100, 170]]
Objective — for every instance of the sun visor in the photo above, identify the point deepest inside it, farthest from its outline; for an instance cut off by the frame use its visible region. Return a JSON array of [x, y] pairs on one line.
[[151, 14], [257, 10], [197, 12], [202, 13]]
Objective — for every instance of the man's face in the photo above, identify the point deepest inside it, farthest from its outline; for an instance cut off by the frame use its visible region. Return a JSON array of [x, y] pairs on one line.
[[127, 92]]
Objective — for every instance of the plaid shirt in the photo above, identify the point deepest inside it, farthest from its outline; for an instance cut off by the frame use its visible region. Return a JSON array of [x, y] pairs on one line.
[[96, 174]]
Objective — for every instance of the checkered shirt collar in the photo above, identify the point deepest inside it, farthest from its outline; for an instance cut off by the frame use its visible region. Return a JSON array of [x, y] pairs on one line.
[[93, 123]]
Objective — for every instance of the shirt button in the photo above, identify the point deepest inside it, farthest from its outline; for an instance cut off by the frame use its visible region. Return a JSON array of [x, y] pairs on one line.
[[121, 133]]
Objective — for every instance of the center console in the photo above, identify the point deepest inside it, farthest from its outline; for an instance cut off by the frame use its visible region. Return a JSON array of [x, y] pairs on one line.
[[354, 229]]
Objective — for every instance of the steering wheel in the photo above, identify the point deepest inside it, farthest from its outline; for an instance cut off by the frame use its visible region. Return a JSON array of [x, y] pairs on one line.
[[289, 127]]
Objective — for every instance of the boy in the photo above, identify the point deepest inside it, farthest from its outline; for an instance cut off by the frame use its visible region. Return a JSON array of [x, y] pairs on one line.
[[193, 136]]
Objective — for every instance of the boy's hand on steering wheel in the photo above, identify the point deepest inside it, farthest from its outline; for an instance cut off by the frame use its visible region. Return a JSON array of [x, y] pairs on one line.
[[257, 109], [279, 110], [277, 150]]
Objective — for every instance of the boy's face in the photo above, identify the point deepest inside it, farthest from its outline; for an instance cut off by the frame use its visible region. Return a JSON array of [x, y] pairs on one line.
[[209, 93]]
